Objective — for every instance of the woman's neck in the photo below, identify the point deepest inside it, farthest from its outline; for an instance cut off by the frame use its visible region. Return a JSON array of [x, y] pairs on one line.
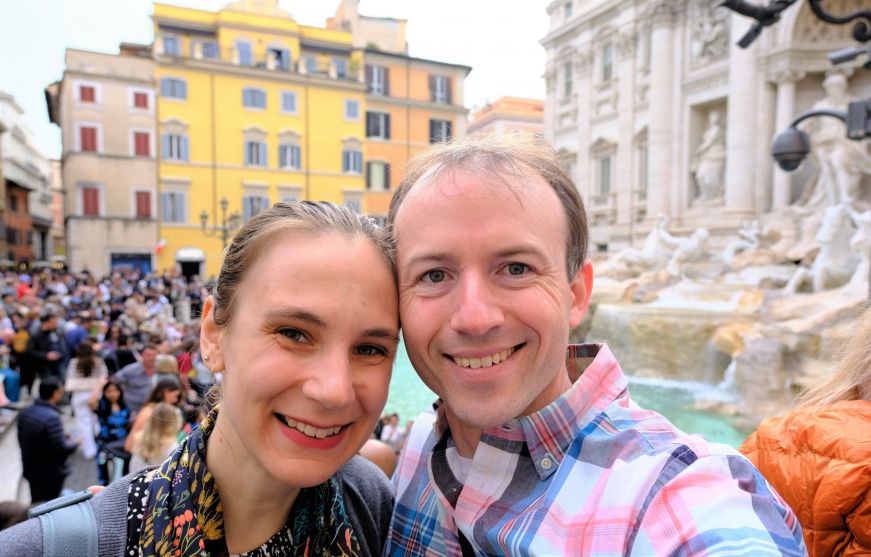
[[255, 505]]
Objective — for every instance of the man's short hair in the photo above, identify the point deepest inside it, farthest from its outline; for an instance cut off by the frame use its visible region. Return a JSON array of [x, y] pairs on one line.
[[47, 388], [494, 156]]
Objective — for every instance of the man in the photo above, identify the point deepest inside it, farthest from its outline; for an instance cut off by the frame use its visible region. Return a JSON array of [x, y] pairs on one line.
[[45, 349], [137, 379], [44, 446], [75, 332], [535, 449]]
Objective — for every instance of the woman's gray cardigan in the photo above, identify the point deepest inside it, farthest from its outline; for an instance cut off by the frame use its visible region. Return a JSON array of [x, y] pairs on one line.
[[368, 502]]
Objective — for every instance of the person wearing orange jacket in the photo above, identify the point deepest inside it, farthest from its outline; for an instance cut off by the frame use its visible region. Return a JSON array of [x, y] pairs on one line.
[[818, 456]]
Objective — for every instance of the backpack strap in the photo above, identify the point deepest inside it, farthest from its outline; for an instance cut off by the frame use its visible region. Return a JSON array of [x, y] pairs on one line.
[[70, 531]]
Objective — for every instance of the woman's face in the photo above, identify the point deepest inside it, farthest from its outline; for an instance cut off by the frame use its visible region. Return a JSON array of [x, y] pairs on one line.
[[171, 396], [112, 393], [307, 355]]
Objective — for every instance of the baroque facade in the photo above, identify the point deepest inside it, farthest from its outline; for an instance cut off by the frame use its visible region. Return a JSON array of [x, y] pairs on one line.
[[658, 112]]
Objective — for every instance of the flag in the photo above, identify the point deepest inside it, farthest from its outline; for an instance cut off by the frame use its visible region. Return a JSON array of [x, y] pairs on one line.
[[159, 247]]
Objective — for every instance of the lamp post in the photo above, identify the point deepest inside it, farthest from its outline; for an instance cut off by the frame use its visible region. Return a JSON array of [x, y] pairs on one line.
[[229, 223]]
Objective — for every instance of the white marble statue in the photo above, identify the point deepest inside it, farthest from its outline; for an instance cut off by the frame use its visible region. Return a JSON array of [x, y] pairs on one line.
[[708, 166], [710, 33], [836, 262], [686, 250], [748, 239], [653, 255], [860, 243], [842, 162]]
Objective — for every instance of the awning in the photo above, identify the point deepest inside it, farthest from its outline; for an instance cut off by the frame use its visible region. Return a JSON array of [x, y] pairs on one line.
[[190, 255]]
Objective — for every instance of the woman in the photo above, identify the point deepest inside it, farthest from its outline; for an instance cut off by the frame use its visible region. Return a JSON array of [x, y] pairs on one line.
[[166, 390], [303, 326], [84, 374], [818, 457], [113, 416], [158, 438]]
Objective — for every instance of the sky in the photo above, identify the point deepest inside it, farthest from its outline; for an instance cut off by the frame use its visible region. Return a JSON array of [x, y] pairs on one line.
[[497, 38]]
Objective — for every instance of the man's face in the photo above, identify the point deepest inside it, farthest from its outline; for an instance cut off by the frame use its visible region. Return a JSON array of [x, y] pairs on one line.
[[485, 302], [149, 355]]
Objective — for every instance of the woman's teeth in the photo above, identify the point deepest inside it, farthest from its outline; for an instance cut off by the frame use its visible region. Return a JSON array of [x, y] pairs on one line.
[[308, 430]]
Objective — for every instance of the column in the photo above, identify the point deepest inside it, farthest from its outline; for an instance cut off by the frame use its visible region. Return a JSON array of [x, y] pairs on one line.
[[660, 108], [625, 161], [785, 112], [742, 122], [583, 61]]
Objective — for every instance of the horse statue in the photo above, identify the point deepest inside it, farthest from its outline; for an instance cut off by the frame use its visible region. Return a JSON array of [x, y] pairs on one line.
[[836, 262]]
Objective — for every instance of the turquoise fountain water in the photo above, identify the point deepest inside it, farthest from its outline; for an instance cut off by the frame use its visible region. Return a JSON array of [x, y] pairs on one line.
[[673, 399]]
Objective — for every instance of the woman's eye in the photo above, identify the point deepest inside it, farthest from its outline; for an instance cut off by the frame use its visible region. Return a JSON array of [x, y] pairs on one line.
[[435, 275], [293, 334], [517, 269], [370, 350]]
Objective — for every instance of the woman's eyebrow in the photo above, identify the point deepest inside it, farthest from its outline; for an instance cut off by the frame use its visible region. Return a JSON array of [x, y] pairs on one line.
[[379, 332], [293, 313]]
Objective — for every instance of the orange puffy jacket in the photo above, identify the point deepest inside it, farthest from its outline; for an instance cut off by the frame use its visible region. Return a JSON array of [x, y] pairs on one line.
[[819, 460]]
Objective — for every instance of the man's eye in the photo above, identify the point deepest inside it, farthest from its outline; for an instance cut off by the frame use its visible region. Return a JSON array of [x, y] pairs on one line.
[[434, 276], [517, 268]]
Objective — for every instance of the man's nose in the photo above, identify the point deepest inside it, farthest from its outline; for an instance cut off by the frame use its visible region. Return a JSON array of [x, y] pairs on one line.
[[477, 311]]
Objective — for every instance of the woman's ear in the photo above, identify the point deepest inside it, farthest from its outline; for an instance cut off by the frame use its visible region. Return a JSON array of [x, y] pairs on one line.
[[210, 337]]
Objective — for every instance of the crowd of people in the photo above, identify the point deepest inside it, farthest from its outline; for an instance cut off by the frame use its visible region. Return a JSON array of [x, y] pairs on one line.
[[535, 446], [114, 349]]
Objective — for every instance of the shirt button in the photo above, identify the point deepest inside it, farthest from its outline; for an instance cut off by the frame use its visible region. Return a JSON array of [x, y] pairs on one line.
[[546, 463]]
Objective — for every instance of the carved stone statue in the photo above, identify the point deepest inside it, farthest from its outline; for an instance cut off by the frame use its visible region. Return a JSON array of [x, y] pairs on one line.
[[836, 262], [710, 33], [653, 255], [748, 239], [842, 161], [709, 161], [686, 250]]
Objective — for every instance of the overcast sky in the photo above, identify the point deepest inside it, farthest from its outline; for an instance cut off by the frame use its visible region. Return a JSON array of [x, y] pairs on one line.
[[497, 38]]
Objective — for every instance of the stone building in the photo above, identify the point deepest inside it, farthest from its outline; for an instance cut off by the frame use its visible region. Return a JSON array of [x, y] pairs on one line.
[[508, 114], [27, 193], [657, 111], [105, 107]]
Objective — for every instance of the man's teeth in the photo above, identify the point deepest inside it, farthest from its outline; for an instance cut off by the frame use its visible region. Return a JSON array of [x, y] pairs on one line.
[[486, 361], [310, 431]]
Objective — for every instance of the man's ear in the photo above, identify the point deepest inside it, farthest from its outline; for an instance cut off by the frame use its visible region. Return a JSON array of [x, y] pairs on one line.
[[581, 287], [210, 337]]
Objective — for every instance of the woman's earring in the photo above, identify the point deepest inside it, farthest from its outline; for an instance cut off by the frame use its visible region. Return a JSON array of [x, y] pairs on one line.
[[205, 358]]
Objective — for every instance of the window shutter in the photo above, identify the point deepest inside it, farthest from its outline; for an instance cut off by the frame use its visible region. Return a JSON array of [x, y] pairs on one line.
[[90, 202], [263, 154], [282, 156], [387, 126], [183, 89], [184, 147], [386, 81], [432, 88], [368, 175], [448, 88], [164, 87], [448, 132], [387, 176], [369, 124], [368, 78], [432, 133]]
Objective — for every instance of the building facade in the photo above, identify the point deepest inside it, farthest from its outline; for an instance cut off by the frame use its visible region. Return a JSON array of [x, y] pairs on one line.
[[507, 114], [27, 193], [660, 113], [105, 106]]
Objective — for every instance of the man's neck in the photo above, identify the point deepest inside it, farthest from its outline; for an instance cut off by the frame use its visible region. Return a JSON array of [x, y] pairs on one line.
[[465, 437]]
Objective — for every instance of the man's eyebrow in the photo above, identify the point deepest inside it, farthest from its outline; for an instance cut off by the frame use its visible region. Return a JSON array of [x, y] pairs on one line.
[[293, 313]]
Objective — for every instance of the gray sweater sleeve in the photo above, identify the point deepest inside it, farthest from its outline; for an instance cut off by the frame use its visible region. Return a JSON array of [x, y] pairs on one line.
[[110, 509], [368, 501]]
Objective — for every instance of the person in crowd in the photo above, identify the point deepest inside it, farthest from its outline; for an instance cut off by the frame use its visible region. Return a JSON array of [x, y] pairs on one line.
[[138, 378], [157, 438], [124, 354], [392, 433], [165, 391], [113, 416], [303, 325], [818, 456], [536, 447], [75, 332], [44, 445], [85, 373], [45, 349], [381, 454]]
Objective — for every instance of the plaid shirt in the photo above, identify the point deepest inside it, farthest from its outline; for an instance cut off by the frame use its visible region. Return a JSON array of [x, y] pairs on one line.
[[590, 474]]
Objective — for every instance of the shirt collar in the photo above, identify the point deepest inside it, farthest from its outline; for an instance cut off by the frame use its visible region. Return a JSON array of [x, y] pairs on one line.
[[597, 382]]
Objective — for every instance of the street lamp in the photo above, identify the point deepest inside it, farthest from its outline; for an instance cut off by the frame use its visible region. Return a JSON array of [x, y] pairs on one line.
[[228, 225]]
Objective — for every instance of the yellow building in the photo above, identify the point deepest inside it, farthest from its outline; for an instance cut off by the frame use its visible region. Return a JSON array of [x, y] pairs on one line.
[[254, 108]]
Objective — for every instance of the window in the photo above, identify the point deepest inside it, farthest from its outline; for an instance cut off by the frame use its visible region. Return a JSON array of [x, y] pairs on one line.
[[87, 94], [253, 98], [352, 109], [243, 48], [311, 64], [173, 88], [13, 203], [567, 10], [210, 50], [140, 100], [141, 144], [352, 161], [605, 175], [253, 204], [354, 202], [90, 201], [567, 79], [440, 89], [378, 125], [171, 45], [279, 58], [289, 156], [288, 102], [439, 131], [607, 62], [88, 139], [173, 207], [255, 153], [341, 66], [143, 204], [378, 80], [175, 147], [289, 194], [377, 176]]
